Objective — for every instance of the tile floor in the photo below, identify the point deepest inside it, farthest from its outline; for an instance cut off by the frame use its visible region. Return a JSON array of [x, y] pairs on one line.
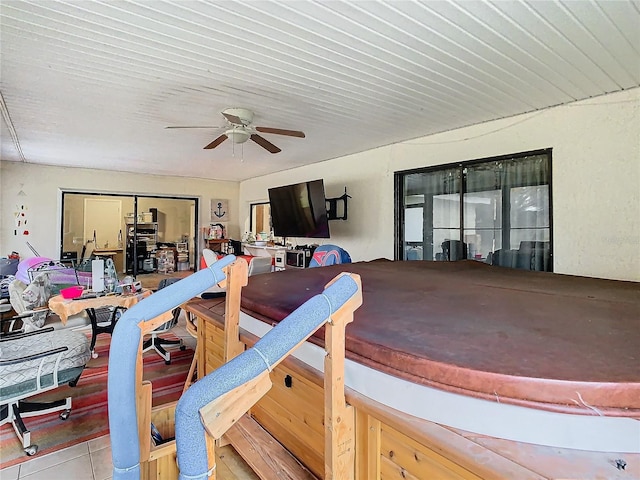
[[86, 461]]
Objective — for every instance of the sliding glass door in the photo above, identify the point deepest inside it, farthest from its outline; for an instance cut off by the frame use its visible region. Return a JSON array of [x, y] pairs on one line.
[[496, 211], [140, 233]]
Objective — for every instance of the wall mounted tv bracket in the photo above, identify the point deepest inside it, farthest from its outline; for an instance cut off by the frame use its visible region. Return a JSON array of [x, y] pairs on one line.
[[332, 206]]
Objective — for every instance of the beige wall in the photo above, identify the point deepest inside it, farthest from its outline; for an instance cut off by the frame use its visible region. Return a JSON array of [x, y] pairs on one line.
[[596, 182], [43, 186]]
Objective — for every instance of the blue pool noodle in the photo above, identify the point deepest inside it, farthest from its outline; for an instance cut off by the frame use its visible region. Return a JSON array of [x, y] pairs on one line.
[[121, 387], [268, 351]]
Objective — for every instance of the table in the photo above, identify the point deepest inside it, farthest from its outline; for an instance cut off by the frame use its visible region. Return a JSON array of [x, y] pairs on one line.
[[64, 308]]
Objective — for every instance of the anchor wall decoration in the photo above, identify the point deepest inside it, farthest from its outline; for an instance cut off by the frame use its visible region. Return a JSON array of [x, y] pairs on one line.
[[219, 211]]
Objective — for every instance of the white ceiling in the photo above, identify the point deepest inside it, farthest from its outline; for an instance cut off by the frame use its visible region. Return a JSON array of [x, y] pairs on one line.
[[94, 84]]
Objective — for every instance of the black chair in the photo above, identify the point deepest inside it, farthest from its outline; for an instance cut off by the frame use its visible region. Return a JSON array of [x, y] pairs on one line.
[[453, 250], [531, 255], [534, 255], [156, 342], [103, 320]]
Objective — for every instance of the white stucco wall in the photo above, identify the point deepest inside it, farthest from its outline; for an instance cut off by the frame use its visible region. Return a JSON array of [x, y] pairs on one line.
[[44, 185], [595, 169]]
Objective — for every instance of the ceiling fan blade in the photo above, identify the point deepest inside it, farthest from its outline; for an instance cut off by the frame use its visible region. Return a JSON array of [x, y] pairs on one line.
[[279, 131], [191, 126], [264, 143], [236, 120], [216, 142]]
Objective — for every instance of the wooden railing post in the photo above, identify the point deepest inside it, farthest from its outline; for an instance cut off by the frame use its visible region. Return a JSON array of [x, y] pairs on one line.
[[339, 418], [211, 455], [237, 277], [144, 391]]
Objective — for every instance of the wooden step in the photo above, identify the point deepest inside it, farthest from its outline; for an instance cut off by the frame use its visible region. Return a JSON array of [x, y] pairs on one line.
[[264, 454]]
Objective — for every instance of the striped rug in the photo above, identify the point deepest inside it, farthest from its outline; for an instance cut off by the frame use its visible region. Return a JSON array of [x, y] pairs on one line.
[[89, 416]]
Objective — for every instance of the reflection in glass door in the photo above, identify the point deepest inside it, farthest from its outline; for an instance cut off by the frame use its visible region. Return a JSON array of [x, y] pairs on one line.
[[482, 223], [145, 230], [496, 211], [431, 214]]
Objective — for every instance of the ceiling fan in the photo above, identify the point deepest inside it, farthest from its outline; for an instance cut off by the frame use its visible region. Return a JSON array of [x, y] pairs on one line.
[[240, 129]]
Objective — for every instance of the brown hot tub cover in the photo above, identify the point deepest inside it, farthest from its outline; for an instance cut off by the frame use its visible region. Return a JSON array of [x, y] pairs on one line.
[[543, 340]]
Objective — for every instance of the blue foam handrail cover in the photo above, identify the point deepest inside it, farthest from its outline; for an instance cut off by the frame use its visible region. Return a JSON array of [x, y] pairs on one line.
[[268, 351], [123, 419]]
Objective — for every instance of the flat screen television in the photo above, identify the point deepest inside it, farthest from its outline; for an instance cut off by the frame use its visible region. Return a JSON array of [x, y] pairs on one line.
[[299, 210]]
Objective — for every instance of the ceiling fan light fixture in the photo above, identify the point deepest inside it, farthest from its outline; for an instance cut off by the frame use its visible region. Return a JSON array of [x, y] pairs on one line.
[[237, 135]]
